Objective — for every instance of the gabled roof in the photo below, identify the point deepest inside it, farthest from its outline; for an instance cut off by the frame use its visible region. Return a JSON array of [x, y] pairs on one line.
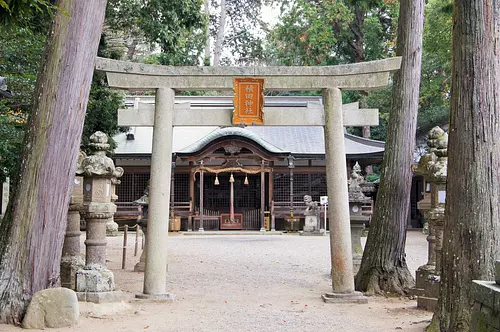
[[294, 140], [230, 132]]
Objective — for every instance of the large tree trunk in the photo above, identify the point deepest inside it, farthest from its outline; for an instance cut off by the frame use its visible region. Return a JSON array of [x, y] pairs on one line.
[[33, 227], [471, 226], [383, 267], [220, 34]]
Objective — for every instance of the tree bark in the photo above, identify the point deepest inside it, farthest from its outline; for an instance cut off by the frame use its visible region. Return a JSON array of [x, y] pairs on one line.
[[220, 34], [383, 267], [32, 231], [471, 226]]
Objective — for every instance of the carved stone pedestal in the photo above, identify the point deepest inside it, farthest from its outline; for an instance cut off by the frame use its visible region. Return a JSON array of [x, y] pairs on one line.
[[311, 227], [357, 227]]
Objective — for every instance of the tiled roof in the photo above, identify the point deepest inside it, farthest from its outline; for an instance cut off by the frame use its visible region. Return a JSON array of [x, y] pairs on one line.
[[296, 140]]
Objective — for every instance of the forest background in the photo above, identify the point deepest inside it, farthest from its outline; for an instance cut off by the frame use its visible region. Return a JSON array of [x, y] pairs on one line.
[[226, 33]]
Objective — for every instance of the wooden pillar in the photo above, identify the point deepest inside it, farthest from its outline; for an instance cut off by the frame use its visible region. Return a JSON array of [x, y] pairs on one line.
[[271, 193], [262, 196], [172, 191], [231, 198], [291, 166], [201, 199], [192, 201]]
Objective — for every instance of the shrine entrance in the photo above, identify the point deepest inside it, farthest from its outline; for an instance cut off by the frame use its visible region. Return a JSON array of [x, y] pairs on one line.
[[248, 110]]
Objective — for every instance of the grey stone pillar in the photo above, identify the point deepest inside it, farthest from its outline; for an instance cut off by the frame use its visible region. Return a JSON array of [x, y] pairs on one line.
[[338, 200], [95, 283], [155, 274], [71, 261], [111, 225], [144, 202]]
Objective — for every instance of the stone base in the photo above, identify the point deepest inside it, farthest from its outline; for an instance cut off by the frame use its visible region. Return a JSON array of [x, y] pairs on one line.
[[427, 288], [140, 267], [427, 303], [97, 279], [103, 297], [69, 266], [313, 233], [168, 297], [354, 297]]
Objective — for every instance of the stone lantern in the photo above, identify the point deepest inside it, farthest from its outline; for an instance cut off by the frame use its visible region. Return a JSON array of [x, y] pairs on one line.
[[433, 166], [95, 283], [358, 220], [71, 261]]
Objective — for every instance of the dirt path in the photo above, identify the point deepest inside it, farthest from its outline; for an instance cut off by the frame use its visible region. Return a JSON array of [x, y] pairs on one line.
[[249, 283]]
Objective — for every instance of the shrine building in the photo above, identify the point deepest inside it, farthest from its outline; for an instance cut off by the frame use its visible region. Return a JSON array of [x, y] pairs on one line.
[[252, 170]]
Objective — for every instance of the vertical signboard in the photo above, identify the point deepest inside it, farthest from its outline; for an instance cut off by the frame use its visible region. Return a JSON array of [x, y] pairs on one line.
[[248, 101]]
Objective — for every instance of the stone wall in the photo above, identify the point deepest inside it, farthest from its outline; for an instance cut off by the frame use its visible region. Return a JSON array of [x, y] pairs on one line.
[[486, 312]]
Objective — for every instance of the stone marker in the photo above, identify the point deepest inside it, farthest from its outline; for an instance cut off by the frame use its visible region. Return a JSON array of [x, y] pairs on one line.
[[53, 308]]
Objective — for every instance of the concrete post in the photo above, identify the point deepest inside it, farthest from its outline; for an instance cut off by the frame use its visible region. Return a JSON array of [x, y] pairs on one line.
[[155, 274], [338, 212]]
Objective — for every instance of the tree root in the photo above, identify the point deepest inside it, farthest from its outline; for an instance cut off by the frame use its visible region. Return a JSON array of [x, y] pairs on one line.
[[398, 281]]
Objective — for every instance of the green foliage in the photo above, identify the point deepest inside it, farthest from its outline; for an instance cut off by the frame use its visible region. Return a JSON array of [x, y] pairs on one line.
[[436, 65], [101, 111], [241, 32], [308, 33], [20, 55], [34, 14], [12, 126], [372, 177], [177, 27], [21, 51]]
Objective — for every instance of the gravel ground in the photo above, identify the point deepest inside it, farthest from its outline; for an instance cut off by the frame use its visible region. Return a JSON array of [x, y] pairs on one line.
[[249, 283]]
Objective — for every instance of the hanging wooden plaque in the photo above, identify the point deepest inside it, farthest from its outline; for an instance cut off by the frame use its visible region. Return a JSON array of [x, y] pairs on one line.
[[248, 101]]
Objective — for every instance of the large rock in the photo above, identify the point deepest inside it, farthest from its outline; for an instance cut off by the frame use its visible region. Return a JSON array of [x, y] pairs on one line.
[[54, 307]]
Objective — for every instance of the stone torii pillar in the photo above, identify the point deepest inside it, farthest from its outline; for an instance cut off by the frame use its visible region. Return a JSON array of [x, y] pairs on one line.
[[338, 203], [155, 273]]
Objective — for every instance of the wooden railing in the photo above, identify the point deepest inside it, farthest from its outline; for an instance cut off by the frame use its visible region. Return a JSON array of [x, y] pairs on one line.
[[126, 211]]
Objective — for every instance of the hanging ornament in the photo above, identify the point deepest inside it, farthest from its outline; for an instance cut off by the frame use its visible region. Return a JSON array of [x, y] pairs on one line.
[[231, 179], [246, 180], [216, 180]]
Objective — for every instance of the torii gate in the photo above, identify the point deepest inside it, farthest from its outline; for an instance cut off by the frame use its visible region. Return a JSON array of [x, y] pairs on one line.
[[331, 80]]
